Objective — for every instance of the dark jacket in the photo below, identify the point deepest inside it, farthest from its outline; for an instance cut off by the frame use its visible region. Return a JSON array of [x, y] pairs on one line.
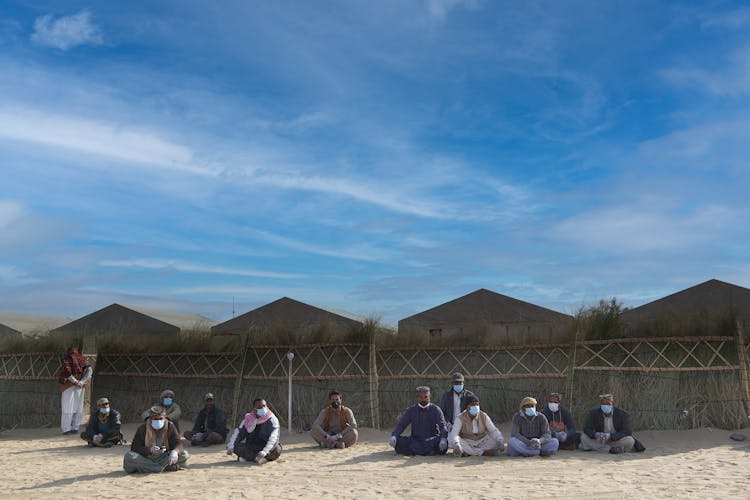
[[564, 415], [211, 421], [446, 403], [139, 440], [595, 423], [112, 426]]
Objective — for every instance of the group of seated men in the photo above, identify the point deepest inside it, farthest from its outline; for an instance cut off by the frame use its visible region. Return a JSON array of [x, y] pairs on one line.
[[459, 423], [158, 447]]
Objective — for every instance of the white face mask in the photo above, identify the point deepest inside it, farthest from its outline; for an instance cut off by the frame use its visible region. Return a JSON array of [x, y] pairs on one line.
[[553, 407]]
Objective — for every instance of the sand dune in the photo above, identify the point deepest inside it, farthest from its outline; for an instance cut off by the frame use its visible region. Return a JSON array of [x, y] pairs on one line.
[[41, 463]]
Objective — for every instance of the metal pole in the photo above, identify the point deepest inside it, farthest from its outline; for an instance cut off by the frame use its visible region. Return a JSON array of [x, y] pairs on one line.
[[290, 357]]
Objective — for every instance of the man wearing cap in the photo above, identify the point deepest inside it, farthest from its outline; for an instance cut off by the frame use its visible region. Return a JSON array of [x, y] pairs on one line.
[[156, 446], [210, 424], [607, 428], [453, 401], [335, 426], [103, 429], [561, 422], [474, 433], [172, 409], [529, 432], [429, 435]]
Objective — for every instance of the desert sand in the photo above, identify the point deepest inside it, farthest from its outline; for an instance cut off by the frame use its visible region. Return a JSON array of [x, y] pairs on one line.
[[41, 463]]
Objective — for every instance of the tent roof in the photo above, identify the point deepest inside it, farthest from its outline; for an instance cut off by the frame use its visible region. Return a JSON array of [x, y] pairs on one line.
[[713, 296], [183, 320], [115, 318], [284, 311], [6, 330], [486, 306], [30, 323]]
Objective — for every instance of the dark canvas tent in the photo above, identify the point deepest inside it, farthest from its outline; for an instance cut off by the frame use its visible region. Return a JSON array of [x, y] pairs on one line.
[[700, 309], [6, 331], [506, 319], [288, 314], [117, 320]]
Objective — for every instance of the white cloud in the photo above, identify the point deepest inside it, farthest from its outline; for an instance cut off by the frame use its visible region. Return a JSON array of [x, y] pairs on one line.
[[731, 79], [195, 268], [66, 32], [644, 226], [360, 253], [121, 143], [438, 9], [10, 211]]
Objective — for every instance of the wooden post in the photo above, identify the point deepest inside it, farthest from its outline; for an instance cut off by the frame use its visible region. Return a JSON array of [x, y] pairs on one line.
[[571, 371], [238, 381], [744, 369], [89, 349], [374, 390]]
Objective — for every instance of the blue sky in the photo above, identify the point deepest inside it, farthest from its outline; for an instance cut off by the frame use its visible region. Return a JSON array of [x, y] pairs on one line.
[[374, 157]]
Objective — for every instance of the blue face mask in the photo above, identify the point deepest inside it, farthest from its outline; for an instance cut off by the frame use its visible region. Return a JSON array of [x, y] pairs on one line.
[[167, 401], [458, 388], [529, 412], [158, 424], [606, 409], [261, 412], [104, 411], [474, 410]]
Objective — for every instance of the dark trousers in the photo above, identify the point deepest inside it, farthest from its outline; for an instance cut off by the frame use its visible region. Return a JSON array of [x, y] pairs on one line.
[[410, 445], [248, 451]]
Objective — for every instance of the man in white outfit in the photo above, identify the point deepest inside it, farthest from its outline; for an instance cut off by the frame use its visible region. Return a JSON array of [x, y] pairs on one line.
[[74, 375]]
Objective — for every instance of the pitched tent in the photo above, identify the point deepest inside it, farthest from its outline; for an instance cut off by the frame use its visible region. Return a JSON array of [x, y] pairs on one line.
[[184, 320], [6, 331], [506, 320], [117, 320], [288, 314], [703, 309], [31, 324]]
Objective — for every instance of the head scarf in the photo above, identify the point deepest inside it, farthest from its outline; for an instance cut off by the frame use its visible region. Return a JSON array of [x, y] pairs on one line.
[[151, 433], [251, 420], [528, 400], [608, 397], [73, 364]]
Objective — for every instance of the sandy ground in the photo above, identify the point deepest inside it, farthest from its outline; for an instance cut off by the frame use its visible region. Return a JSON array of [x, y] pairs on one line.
[[41, 463]]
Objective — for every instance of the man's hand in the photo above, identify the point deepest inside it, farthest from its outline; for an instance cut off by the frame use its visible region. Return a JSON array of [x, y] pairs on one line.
[[536, 443], [332, 437], [443, 444], [561, 436], [230, 451], [607, 438], [457, 451], [155, 450], [172, 457], [198, 436], [260, 455], [392, 442]]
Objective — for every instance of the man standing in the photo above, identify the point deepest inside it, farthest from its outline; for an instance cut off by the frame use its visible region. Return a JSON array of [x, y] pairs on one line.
[[607, 428], [561, 422], [453, 401], [74, 375], [429, 435], [103, 429], [335, 426], [474, 433], [529, 432], [156, 447], [210, 424]]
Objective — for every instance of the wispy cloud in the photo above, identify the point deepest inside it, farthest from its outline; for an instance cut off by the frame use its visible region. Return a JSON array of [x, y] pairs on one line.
[[728, 76], [438, 9], [362, 252], [10, 211], [188, 267], [66, 32], [122, 143]]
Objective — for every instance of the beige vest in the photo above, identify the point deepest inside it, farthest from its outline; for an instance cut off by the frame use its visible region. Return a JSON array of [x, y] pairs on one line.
[[467, 426]]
